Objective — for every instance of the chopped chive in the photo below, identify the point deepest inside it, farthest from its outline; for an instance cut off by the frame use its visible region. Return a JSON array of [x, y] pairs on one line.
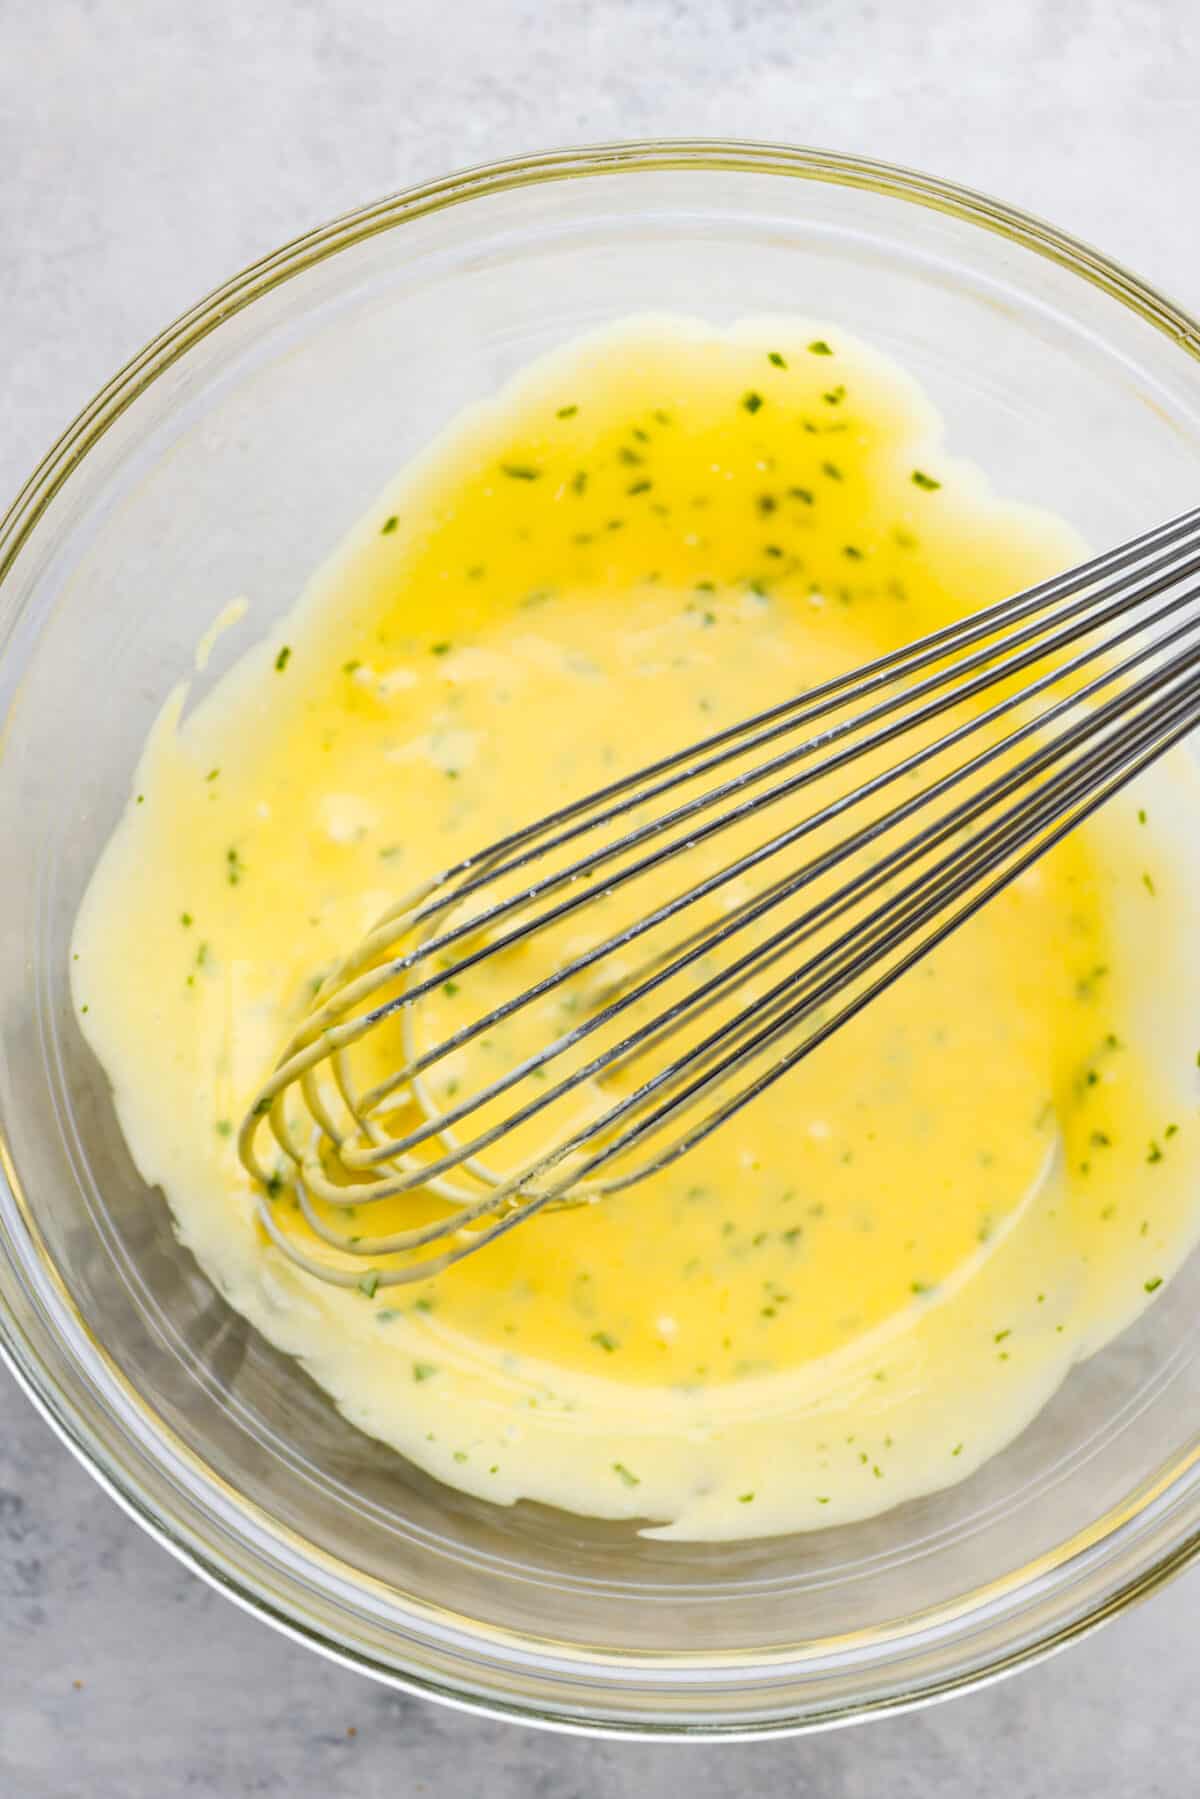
[[212, 774], [440, 649], [388, 525], [185, 919], [1148, 884], [921, 479], [745, 1498], [1152, 1286], [819, 347], [775, 359], [630, 1479], [224, 1128], [520, 471], [369, 1283], [566, 412], [423, 1370], [751, 401], [283, 658], [604, 1341]]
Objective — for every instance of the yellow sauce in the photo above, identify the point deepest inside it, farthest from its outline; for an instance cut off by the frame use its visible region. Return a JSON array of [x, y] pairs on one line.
[[872, 1278]]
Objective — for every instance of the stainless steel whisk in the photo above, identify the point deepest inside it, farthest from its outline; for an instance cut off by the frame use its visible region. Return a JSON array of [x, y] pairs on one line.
[[650, 958]]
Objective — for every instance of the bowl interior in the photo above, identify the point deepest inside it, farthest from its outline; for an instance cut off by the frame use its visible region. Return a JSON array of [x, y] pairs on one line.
[[235, 471]]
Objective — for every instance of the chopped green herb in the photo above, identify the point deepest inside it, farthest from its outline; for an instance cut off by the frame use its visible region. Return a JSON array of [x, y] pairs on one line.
[[440, 649], [351, 667], [752, 401], [1148, 884], [283, 658], [1154, 1153], [1171, 1131], [235, 868], [185, 919], [566, 412], [832, 470], [604, 1341], [1141, 815], [921, 479], [957, 1450], [835, 396], [224, 1128], [369, 1283], [775, 359], [423, 1370], [630, 1479], [819, 347], [212, 774], [640, 487], [579, 480], [745, 1498], [449, 988], [1000, 1336], [388, 526], [520, 471], [1152, 1286]]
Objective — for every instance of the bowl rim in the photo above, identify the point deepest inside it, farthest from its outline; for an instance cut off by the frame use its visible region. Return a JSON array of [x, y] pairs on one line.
[[1171, 1549]]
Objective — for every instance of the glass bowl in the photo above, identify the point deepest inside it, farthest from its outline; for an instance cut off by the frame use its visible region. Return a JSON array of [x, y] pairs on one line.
[[229, 458]]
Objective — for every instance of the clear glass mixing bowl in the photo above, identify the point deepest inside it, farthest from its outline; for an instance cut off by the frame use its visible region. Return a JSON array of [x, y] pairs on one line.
[[228, 459]]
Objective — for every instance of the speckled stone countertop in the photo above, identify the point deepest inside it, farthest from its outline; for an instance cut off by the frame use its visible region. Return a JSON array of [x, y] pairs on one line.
[[146, 152]]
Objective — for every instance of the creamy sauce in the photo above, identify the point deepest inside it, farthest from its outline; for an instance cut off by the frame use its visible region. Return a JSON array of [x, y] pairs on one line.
[[874, 1277]]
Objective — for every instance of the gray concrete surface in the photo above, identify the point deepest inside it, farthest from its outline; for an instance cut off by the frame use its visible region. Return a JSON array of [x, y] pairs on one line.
[[146, 151]]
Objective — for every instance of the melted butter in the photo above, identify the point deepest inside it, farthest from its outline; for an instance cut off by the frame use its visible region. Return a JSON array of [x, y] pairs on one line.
[[870, 1280]]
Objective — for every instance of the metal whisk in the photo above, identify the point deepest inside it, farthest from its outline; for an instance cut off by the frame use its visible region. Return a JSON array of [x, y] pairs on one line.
[[589, 998]]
